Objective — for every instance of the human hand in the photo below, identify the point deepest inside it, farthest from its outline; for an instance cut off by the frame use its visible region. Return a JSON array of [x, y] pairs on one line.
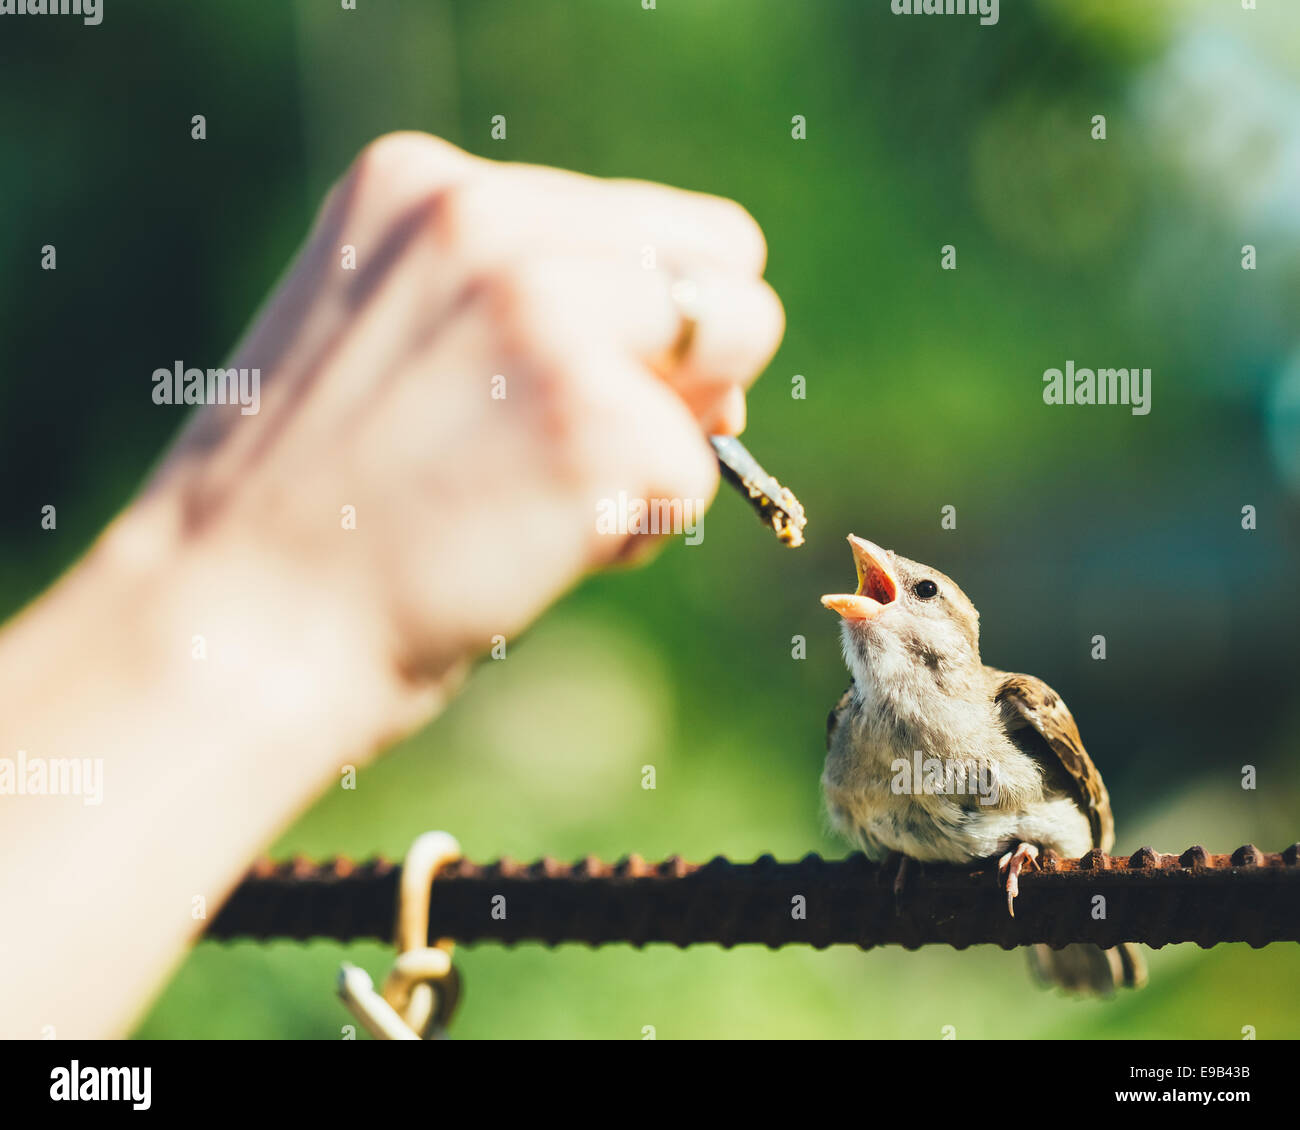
[[500, 360]]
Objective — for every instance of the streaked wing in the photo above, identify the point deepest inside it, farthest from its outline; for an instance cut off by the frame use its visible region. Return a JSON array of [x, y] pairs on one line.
[[1041, 724]]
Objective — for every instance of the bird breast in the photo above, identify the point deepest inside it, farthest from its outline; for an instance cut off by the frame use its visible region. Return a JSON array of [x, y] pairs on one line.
[[949, 786]]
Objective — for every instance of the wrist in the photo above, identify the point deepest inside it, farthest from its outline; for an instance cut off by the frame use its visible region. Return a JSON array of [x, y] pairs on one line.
[[226, 634]]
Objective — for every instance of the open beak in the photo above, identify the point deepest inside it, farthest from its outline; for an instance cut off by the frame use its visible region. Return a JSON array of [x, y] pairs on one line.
[[876, 584]]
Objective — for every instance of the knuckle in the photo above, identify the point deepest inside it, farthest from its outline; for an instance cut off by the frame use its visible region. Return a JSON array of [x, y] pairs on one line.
[[524, 298], [443, 217], [506, 294], [391, 154], [404, 164], [465, 215], [570, 394], [750, 242]]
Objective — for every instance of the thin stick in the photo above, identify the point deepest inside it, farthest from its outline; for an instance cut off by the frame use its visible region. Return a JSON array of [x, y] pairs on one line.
[[775, 505]]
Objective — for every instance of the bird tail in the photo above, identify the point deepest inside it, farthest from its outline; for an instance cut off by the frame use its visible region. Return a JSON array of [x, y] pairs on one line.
[[1089, 970]]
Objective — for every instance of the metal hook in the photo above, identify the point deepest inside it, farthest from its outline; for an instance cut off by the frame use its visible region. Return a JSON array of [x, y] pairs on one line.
[[423, 989]]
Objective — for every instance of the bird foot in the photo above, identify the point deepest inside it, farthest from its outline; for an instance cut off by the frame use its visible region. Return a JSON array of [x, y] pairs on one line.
[[900, 865], [1010, 866]]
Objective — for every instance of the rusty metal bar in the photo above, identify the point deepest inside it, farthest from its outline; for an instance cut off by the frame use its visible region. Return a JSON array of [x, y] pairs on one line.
[[1156, 899]]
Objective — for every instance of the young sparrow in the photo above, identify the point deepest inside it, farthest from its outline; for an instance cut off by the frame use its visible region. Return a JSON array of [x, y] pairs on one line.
[[935, 756]]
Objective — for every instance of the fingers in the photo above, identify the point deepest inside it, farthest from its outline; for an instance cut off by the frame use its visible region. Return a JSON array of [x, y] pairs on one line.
[[492, 218], [448, 206], [738, 320], [565, 307], [677, 241], [493, 212], [708, 344], [487, 213], [736, 324], [457, 217], [725, 415], [599, 421], [659, 473]]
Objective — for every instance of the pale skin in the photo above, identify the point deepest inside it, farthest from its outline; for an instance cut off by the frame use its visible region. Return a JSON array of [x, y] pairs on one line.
[[322, 644]]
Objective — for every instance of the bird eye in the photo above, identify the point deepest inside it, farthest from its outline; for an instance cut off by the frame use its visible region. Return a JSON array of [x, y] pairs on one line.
[[926, 589]]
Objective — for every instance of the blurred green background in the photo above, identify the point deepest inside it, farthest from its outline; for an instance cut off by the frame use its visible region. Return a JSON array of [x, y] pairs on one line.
[[923, 391]]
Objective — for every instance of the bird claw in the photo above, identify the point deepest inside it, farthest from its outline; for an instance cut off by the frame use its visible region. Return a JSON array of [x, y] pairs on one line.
[[900, 864], [1010, 866]]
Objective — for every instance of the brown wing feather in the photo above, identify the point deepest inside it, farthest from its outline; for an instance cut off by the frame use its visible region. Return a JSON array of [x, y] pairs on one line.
[[1027, 702], [833, 718]]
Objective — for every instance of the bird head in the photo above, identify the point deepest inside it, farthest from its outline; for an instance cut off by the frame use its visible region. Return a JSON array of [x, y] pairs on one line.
[[903, 615]]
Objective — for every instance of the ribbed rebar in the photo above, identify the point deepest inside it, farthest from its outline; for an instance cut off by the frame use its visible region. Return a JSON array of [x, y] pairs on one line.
[[1148, 897]]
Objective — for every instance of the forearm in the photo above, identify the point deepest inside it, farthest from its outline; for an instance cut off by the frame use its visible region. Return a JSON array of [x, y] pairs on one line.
[[216, 700]]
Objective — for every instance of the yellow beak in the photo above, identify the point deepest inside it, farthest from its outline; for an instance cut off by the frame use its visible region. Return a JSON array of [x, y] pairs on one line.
[[877, 586]]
